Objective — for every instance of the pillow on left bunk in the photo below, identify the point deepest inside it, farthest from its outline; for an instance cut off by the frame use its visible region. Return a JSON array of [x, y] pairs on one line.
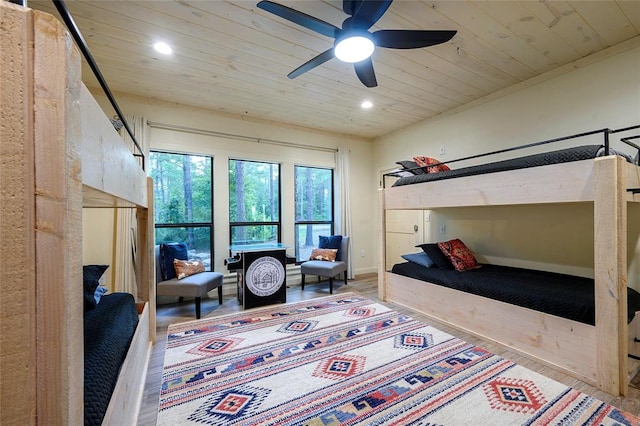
[[91, 275]]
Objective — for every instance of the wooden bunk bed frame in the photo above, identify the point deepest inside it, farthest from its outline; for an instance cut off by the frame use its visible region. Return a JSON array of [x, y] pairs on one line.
[[597, 355], [59, 154]]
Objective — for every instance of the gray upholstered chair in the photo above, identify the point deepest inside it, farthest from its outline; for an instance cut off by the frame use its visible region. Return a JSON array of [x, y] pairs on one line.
[[195, 286], [323, 268]]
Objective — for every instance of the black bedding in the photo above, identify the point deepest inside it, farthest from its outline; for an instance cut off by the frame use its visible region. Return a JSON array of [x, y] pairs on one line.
[[562, 295], [554, 157], [108, 330]]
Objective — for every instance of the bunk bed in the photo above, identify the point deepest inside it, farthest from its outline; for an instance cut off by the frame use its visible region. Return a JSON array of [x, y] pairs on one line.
[[60, 154], [596, 354]]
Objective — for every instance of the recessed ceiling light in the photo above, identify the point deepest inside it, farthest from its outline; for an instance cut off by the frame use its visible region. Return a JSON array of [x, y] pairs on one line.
[[163, 48], [366, 104]]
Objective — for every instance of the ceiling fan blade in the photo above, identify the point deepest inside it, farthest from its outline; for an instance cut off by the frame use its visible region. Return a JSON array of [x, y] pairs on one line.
[[311, 64], [410, 39], [367, 13], [350, 6], [364, 71], [307, 21]]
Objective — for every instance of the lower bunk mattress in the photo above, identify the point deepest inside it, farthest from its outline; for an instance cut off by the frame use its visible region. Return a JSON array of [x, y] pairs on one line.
[[562, 295], [108, 330]]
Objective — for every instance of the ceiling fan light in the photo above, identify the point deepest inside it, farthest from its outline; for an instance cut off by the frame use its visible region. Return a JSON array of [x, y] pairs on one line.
[[354, 49]]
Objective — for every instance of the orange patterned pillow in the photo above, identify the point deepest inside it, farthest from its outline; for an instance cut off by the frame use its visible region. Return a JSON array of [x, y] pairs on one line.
[[436, 166], [459, 254], [328, 255], [185, 268]]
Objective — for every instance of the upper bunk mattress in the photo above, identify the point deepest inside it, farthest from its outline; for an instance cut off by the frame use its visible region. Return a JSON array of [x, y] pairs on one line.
[[578, 153], [566, 296]]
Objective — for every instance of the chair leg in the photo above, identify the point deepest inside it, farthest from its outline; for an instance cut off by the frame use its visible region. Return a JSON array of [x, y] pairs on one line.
[[331, 285], [220, 295], [345, 277], [302, 283], [197, 308]]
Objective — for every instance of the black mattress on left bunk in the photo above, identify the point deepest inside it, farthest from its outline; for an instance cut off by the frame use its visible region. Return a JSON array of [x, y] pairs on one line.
[[108, 330], [566, 296]]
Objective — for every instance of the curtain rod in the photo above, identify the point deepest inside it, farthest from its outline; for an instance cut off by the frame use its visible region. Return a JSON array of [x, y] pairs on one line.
[[237, 137]]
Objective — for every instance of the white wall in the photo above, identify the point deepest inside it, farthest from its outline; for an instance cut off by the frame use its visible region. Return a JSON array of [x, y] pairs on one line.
[[598, 93], [222, 148]]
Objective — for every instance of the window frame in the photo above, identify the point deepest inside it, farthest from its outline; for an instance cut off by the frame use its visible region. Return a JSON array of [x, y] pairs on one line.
[[277, 224], [312, 222], [210, 225]]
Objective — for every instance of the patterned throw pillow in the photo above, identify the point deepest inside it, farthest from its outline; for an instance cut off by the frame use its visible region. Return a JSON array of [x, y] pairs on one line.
[[328, 255], [185, 268], [436, 166], [459, 254]]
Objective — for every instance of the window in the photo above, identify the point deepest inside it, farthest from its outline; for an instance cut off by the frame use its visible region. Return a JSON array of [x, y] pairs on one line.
[[254, 202], [183, 200], [314, 208]]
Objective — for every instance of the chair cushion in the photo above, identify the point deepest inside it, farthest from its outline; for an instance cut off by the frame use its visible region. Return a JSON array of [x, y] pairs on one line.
[[196, 285], [322, 268]]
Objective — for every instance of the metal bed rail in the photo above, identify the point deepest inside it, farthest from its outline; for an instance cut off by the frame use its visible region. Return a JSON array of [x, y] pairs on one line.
[[606, 132], [84, 48]]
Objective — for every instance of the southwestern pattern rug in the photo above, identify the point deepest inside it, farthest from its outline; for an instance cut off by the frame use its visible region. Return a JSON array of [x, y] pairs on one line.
[[343, 360]]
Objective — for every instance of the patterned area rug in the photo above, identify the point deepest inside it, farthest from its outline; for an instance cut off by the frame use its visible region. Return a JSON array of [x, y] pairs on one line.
[[345, 359]]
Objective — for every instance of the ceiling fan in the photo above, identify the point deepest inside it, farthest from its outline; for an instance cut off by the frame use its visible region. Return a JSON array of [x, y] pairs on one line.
[[353, 42]]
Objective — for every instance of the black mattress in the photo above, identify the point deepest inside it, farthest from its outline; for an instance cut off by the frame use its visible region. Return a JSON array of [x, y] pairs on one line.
[[562, 295], [108, 330], [578, 153]]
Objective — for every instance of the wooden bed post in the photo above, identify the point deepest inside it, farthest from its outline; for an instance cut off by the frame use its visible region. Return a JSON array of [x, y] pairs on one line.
[[58, 189], [610, 272], [17, 219], [146, 270], [382, 246]]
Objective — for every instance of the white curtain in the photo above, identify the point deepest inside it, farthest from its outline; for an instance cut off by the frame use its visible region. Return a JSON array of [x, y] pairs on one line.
[[344, 227], [126, 232]]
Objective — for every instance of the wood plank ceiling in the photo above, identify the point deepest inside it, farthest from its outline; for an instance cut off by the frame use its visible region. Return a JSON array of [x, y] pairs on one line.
[[232, 57]]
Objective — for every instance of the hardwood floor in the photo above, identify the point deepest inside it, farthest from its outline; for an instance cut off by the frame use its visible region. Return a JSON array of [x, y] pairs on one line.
[[365, 285]]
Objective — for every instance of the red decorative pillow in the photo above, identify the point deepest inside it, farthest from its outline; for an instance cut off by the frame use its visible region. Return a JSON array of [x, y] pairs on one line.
[[459, 254], [328, 255], [186, 268], [436, 166]]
